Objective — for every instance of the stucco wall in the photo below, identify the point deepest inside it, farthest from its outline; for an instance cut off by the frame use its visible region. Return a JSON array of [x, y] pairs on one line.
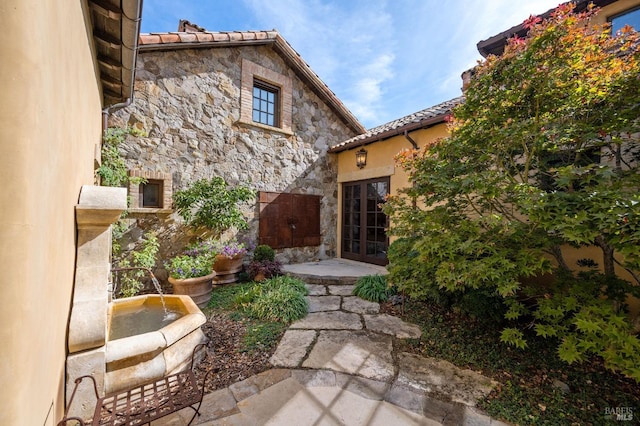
[[613, 9], [380, 163], [50, 122], [189, 102]]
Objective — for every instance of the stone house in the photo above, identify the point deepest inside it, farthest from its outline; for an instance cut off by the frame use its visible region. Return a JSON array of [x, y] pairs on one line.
[[246, 107], [64, 64]]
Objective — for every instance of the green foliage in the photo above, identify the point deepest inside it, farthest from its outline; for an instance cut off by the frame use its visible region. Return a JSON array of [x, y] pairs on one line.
[[264, 252], [284, 304], [286, 281], [518, 178], [373, 288], [261, 336], [212, 204], [113, 169], [224, 297], [187, 266], [277, 299], [113, 172], [129, 282], [525, 393]]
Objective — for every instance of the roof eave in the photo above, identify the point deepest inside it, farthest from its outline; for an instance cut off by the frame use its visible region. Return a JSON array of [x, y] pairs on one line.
[[495, 45], [409, 127], [288, 54], [116, 25]]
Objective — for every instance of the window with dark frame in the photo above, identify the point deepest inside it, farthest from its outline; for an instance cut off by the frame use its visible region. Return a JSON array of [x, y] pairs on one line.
[[550, 162], [151, 194], [265, 103], [628, 17]]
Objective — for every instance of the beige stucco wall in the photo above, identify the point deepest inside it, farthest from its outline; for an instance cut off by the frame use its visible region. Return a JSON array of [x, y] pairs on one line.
[[381, 163], [614, 9], [50, 123]]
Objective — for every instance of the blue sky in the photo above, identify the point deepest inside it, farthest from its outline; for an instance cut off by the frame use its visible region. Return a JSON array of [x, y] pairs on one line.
[[383, 58]]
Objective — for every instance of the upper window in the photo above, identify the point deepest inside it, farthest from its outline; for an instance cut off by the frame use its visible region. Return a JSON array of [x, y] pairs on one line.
[[265, 103], [266, 98], [630, 17]]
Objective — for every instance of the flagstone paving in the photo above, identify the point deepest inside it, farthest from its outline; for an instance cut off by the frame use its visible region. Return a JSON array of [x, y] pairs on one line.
[[339, 366]]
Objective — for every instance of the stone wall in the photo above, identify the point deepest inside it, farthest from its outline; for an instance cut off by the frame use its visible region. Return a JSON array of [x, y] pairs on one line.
[[189, 103]]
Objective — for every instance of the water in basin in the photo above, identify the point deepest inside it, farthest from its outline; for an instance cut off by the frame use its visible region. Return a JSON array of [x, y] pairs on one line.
[[134, 320]]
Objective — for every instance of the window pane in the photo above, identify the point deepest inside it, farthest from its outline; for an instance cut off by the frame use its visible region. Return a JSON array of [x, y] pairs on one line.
[[151, 195], [631, 18], [265, 104]]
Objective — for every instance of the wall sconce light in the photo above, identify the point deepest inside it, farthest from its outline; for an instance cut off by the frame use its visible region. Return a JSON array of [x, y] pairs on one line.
[[361, 158]]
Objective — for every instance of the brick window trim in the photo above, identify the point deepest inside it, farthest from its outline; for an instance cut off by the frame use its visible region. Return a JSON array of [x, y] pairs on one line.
[[134, 192], [251, 71]]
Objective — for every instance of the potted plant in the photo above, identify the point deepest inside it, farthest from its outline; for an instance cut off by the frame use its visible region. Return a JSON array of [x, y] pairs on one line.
[[263, 265], [229, 257], [192, 273]]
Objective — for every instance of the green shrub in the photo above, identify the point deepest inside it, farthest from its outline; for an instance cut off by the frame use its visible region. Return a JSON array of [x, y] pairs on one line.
[[248, 296], [264, 252], [277, 299], [373, 288], [262, 336], [213, 204], [129, 282], [284, 304], [285, 281]]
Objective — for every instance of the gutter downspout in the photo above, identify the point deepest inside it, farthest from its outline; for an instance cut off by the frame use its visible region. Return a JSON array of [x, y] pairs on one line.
[[411, 141], [108, 110], [414, 201]]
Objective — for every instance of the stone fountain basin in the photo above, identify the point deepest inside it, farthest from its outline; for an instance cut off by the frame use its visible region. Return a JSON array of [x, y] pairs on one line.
[[144, 357]]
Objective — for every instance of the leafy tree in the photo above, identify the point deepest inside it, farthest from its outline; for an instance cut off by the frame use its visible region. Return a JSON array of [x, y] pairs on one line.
[[113, 169], [543, 153], [212, 204]]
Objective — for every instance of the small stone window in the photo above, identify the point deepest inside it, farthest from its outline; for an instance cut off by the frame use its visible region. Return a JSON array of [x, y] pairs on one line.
[[266, 98], [153, 195], [265, 103]]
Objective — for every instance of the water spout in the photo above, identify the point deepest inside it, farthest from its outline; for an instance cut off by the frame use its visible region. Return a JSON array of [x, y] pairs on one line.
[[154, 281]]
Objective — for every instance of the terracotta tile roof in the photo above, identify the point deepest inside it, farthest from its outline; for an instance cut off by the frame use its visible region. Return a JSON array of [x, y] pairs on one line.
[[209, 39], [418, 120]]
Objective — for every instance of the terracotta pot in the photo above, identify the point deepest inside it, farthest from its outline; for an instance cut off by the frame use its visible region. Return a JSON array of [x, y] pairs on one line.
[[224, 265], [199, 288]]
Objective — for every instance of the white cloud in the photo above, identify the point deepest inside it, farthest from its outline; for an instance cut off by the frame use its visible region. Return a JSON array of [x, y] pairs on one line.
[[348, 44], [383, 58]]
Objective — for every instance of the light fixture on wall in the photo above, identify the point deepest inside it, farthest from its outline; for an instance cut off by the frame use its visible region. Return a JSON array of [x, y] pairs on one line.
[[361, 158]]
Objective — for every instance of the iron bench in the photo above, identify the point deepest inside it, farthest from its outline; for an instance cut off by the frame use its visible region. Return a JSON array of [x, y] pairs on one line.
[[144, 403]]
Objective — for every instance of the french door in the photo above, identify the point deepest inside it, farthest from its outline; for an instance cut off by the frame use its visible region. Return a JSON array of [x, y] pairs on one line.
[[364, 236]]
